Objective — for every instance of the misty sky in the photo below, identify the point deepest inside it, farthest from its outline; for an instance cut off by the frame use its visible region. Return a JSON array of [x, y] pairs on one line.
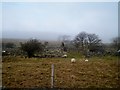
[[50, 20]]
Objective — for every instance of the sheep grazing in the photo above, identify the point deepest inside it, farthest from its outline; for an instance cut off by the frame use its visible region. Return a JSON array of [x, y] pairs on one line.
[[86, 60], [73, 60], [3, 51], [64, 56]]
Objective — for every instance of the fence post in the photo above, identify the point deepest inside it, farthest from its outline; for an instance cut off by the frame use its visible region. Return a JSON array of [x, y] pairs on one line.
[[52, 75]]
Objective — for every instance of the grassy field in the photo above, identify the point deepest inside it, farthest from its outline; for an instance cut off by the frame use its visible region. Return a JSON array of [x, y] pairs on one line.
[[36, 72]]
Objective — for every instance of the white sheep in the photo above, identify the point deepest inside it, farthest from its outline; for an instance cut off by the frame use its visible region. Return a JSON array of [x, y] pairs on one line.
[[64, 56], [3, 51], [73, 60], [86, 60]]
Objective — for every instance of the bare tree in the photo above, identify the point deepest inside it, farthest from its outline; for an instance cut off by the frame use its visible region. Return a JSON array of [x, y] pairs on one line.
[[86, 42], [80, 40], [93, 41]]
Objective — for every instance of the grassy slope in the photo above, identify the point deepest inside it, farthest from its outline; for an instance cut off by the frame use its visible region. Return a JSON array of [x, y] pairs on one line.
[[19, 72]]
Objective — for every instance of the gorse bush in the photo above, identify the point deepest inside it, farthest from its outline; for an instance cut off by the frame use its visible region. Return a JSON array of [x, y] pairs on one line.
[[32, 46]]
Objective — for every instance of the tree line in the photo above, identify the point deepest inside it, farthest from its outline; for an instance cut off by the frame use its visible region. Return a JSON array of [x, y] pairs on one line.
[[84, 43]]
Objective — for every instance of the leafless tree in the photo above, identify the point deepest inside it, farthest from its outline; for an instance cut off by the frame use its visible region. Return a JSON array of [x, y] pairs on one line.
[[85, 42]]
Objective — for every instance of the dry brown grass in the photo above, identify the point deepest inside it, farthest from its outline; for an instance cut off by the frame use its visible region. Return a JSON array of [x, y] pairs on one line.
[[26, 73]]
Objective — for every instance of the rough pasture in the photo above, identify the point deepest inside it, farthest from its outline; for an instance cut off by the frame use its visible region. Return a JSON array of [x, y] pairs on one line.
[[35, 72]]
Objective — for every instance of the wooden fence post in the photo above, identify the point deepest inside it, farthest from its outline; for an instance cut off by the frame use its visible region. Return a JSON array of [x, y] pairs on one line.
[[52, 75]]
